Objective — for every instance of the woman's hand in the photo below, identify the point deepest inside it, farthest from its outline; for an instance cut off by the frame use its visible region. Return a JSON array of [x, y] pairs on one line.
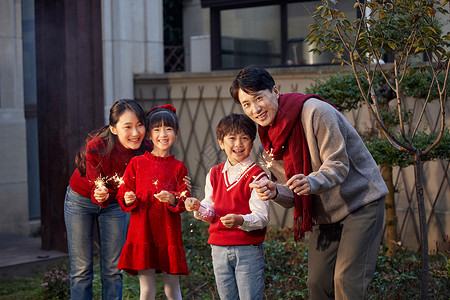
[[187, 182], [101, 194]]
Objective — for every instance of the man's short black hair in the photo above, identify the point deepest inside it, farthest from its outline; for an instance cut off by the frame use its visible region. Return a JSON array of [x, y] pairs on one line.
[[251, 79]]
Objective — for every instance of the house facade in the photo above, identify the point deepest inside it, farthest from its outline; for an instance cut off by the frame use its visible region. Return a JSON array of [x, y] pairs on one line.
[[219, 38]]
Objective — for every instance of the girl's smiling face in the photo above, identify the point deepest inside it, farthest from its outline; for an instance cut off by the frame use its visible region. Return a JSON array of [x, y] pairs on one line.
[[129, 130], [163, 138], [237, 147]]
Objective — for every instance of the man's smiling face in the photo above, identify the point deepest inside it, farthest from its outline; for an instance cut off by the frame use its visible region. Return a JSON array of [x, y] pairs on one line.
[[260, 106]]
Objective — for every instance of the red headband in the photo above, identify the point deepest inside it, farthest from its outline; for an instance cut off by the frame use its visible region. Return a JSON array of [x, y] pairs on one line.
[[165, 106]]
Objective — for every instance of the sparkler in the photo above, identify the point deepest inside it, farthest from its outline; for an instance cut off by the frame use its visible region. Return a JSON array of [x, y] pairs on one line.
[[270, 163], [99, 183], [117, 179], [206, 213], [181, 194], [155, 182]]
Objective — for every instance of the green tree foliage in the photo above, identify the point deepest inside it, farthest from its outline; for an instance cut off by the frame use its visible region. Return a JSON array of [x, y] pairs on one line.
[[404, 30], [173, 22]]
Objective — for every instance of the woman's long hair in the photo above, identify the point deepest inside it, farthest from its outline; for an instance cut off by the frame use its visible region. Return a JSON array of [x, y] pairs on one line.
[[106, 135]]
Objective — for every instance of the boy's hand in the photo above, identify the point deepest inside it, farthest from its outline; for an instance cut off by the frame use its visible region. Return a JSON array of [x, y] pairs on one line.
[[265, 189], [165, 196], [101, 194], [299, 184], [129, 198], [187, 182], [232, 220], [192, 204]]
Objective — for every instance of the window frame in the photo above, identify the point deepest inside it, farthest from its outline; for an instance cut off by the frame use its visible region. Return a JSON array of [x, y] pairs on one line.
[[216, 6]]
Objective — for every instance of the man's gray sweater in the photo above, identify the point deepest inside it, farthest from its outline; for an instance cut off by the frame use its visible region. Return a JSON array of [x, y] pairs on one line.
[[344, 174]]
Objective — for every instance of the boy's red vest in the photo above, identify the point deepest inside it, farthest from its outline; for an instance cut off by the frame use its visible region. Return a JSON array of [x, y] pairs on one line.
[[233, 198]]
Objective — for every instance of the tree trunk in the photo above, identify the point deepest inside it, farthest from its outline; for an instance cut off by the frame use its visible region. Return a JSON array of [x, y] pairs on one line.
[[391, 216], [422, 223]]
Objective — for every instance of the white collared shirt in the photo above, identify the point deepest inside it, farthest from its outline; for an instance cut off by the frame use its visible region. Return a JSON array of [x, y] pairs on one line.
[[259, 216]]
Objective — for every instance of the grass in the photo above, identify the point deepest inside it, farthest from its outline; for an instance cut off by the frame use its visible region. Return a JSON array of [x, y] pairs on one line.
[[286, 272]]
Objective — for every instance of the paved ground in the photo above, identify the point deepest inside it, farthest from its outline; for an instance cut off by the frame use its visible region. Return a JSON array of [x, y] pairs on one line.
[[22, 256]]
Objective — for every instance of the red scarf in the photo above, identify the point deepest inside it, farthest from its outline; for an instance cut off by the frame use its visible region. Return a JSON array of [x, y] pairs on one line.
[[285, 139]]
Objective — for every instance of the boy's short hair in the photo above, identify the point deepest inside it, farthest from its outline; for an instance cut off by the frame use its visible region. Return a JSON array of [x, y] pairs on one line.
[[234, 124], [251, 79]]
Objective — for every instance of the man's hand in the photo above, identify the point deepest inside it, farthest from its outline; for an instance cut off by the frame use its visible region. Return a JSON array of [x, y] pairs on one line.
[[299, 184], [265, 189]]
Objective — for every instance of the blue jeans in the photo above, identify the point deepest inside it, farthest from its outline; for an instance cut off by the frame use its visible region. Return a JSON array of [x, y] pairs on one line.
[[80, 215], [343, 256], [239, 271]]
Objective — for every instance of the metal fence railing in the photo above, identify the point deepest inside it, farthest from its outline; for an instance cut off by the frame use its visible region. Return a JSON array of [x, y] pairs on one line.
[[173, 58], [199, 112]]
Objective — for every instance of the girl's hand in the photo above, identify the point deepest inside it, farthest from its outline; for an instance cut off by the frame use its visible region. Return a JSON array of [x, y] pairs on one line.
[[299, 184], [232, 220], [187, 182], [101, 194], [192, 204], [265, 189], [129, 198], [165, 196]]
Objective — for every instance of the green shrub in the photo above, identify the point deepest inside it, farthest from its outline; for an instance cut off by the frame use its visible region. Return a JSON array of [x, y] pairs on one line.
[[286, 272], [56, 284], [399, 277]]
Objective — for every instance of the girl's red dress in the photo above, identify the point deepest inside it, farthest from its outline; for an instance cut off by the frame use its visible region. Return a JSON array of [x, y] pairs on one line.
[[154, 238]]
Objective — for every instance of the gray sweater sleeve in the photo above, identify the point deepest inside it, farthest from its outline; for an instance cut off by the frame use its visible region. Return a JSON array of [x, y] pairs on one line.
[[327, 135], [285, 197]]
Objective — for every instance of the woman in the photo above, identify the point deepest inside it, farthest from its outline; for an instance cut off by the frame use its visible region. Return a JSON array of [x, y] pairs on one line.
[[91, 198]]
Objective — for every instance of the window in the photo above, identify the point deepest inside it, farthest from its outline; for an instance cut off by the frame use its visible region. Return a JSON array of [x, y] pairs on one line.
[[268, 33], [250, 36]]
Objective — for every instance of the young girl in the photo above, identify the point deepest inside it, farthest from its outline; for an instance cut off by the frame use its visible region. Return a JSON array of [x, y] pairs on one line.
[[154, 192], [100, 164]]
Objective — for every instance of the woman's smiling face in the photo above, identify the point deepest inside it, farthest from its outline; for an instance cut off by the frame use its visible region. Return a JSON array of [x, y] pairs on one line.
[[261, 106], [129, 130]]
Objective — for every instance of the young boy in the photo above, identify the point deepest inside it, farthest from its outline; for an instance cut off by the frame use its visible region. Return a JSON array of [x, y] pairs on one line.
[[238, 216]]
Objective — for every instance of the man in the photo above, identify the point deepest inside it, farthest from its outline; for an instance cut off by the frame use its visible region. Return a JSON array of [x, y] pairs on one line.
[[321, 167]]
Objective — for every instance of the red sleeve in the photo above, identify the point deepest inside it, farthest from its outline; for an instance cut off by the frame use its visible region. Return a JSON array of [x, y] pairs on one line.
[[94, 168], [181, 192], [129, 184]]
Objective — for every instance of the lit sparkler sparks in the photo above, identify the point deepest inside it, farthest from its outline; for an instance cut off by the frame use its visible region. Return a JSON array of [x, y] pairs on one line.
[[270, 163], [117, 179], [99, 183], [182, 194], [155, 182]]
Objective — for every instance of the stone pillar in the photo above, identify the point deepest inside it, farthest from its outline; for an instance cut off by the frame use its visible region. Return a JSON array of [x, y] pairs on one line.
[[133, 44], [13, 156]]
